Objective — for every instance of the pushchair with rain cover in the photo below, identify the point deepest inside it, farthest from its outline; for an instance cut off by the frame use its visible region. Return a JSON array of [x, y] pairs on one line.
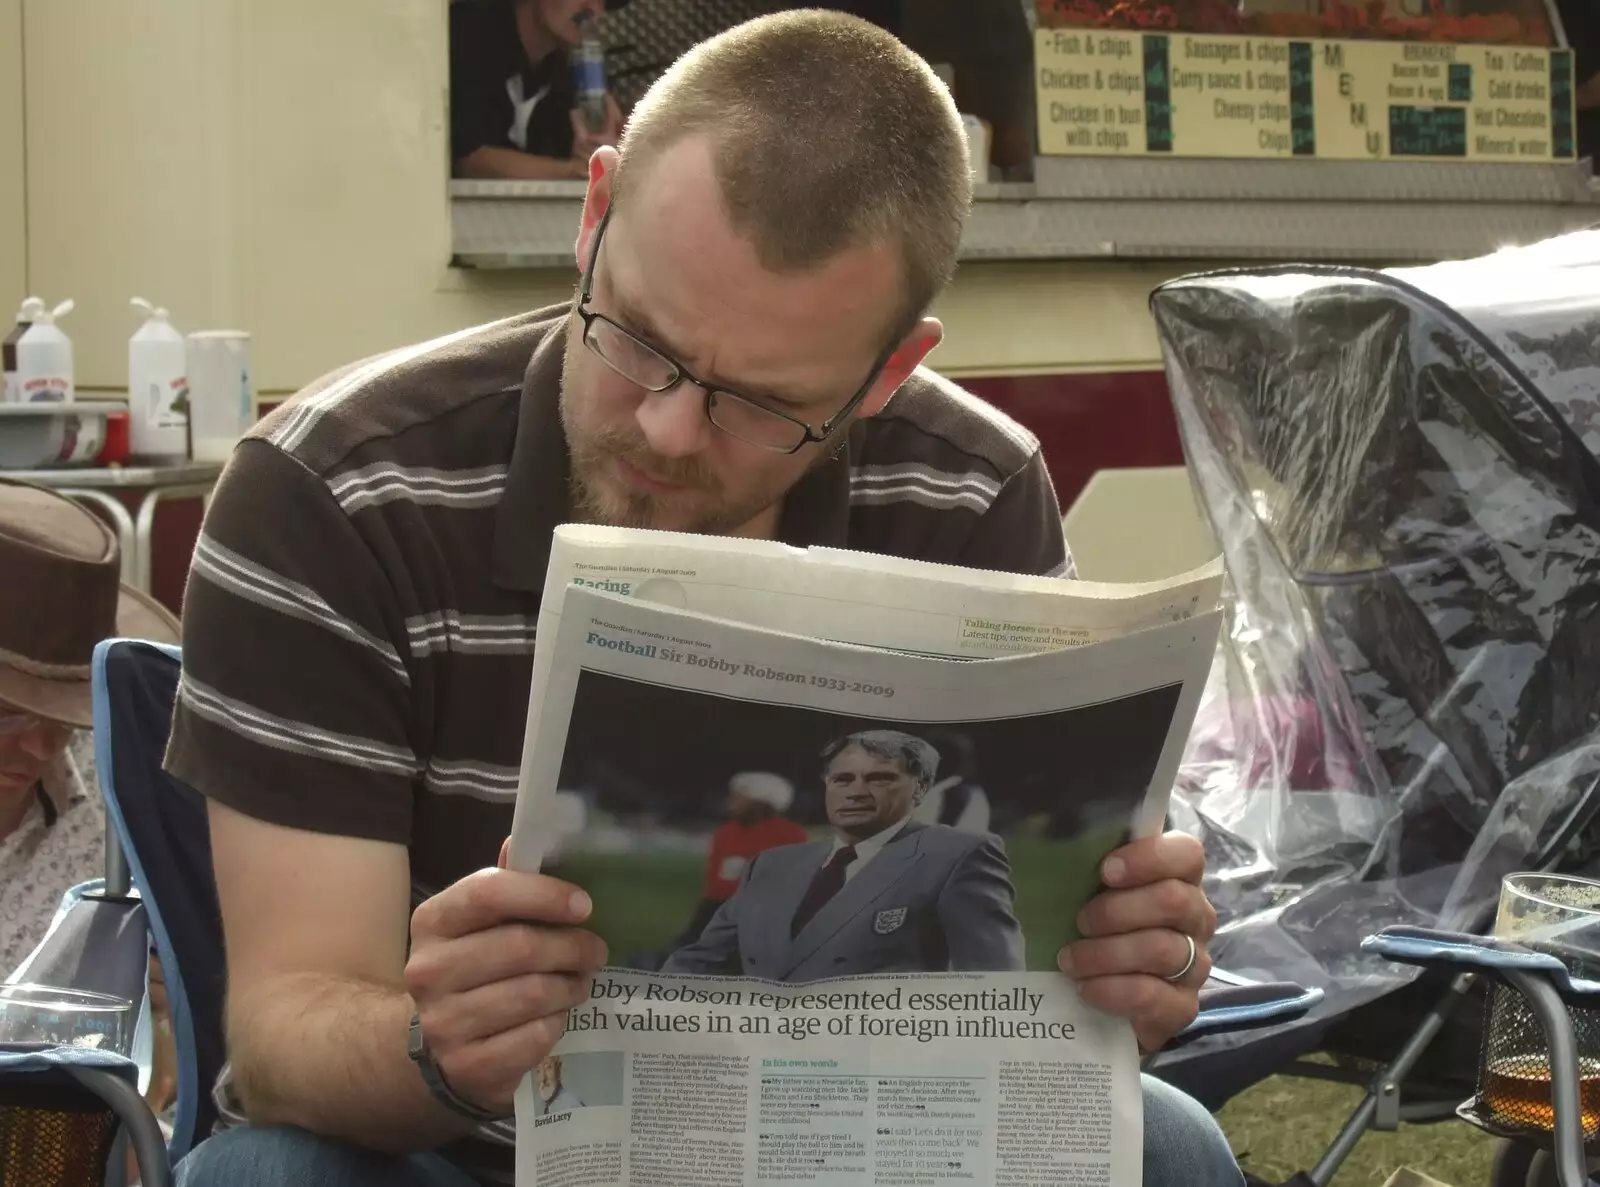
[[1400, 469]]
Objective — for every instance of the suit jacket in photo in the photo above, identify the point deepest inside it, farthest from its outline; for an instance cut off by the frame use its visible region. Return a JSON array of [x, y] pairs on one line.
[[934, 899]]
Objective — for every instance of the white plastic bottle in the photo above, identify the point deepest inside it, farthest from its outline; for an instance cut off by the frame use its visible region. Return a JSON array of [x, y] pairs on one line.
[[10, 392], [158, 389], [44, 359]]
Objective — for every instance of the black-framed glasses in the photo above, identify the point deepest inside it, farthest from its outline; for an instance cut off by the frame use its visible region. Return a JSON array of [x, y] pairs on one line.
[[743, 417]]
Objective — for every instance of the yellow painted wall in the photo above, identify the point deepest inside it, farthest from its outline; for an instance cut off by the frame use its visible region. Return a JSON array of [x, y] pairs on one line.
[[128, 177], [280, 166], [13, 238]]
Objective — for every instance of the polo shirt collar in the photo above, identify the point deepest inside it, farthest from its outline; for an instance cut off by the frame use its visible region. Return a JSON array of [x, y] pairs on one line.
[[536, 495], [816, 511]]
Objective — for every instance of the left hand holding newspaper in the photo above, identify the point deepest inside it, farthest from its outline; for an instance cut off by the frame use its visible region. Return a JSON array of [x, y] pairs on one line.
[[497, 959], [844, 819], [1133, 959]]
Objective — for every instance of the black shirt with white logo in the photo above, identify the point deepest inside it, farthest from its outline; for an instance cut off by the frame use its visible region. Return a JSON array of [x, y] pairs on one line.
[[498, 98]]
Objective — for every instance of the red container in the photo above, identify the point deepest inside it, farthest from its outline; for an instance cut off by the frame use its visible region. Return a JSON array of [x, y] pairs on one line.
[[116, 447]]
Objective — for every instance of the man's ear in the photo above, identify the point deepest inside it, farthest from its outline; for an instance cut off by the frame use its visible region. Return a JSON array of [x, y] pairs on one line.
[[596, 201], [907, 357]]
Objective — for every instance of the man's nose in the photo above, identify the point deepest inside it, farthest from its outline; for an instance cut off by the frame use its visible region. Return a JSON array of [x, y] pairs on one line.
[[674, 422]]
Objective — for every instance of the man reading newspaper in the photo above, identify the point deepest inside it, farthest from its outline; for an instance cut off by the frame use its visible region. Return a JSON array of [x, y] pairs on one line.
[[743, 356]]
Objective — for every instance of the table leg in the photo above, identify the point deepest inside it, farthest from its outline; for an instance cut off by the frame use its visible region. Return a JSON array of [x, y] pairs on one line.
[[147, 519], [127, 534]]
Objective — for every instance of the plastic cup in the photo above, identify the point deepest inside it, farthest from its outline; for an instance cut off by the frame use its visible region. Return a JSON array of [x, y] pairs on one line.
[[221, 395], [41, 1016]]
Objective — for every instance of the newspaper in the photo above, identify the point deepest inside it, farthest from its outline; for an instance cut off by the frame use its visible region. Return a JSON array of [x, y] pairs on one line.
[[842, 970]]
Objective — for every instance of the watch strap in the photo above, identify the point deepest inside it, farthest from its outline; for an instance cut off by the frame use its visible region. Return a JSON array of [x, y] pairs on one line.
[[433, 1077]]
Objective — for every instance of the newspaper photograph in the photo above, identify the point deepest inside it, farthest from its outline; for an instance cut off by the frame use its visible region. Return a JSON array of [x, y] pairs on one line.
[[833, 881]]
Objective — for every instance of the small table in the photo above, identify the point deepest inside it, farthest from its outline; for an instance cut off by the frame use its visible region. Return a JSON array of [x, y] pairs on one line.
[[96, 485]]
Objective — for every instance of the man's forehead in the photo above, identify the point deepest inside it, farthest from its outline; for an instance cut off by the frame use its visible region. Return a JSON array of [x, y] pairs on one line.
[[673, 260], [859, 757]]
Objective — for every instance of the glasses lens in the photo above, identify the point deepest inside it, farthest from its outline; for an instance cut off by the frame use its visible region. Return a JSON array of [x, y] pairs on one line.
[[628, 357], [754, 424], [14, 723]]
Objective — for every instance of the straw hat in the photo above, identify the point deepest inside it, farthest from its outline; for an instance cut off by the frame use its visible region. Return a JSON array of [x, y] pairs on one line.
[[60, 595]]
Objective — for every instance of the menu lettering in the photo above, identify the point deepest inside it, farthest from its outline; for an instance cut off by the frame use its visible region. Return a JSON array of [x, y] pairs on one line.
[[1189, 95]]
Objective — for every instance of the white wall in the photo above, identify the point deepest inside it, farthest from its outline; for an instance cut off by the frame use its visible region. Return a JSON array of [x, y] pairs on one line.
[[280, 166]]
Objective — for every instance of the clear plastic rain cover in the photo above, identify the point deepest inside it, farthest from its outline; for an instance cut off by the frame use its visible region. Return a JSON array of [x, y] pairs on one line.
[[1401, 470]]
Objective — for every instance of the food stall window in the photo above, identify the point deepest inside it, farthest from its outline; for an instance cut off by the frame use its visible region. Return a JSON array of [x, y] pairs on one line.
[[512, 90]]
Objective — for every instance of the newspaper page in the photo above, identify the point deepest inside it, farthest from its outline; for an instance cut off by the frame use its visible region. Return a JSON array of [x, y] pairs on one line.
[[833, 881]]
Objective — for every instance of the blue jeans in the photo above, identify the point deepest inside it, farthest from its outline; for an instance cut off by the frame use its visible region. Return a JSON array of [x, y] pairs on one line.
[[1182, 1148]]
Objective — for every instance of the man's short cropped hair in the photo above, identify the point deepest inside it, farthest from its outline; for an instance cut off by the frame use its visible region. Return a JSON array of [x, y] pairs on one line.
[[827, 133], [916, 757]]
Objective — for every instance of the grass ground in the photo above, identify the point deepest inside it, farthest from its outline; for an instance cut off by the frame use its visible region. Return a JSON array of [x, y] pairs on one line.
[[1284, 1125]]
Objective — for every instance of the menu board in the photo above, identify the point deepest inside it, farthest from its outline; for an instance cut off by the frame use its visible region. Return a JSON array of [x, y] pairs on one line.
[[1196, 95]]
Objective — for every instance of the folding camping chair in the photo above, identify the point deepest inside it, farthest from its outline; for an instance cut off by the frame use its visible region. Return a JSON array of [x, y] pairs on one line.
[[68, 1113], [157, 850], [161, 826]]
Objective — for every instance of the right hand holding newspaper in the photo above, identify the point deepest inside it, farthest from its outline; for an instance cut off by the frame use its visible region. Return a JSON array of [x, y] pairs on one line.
[[838, 815]]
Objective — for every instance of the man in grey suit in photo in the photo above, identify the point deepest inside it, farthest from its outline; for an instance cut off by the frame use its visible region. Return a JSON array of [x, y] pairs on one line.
[[885, 894]]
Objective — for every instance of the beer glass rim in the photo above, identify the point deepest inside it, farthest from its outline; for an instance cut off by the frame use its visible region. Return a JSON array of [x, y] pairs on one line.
[[1523, 885], [40, 996]]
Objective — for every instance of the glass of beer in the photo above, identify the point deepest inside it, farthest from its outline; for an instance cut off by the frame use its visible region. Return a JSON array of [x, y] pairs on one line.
[[42, 1016], [1559, 915]]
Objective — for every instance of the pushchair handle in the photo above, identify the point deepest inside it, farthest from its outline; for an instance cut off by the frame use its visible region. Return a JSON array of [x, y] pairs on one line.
[[1548, 989]]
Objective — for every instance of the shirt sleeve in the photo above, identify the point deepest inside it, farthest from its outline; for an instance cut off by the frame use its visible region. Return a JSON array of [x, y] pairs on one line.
[[295, 701], [1021, 532]]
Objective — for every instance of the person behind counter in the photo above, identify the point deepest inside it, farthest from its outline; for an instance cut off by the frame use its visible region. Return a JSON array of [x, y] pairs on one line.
[[513, 102]]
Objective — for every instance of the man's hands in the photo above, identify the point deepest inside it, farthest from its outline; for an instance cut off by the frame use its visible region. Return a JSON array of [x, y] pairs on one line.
[[496, 962], [499, 958], [1133, 937]]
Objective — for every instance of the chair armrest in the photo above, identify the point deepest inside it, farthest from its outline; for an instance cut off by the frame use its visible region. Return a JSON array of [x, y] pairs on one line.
[[1462, 952], [1547, 988], [98, 945], [1229, 1002], [107, 1077]]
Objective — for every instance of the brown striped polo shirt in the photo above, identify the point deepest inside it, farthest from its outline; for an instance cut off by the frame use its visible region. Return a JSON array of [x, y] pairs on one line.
[[359, 621]]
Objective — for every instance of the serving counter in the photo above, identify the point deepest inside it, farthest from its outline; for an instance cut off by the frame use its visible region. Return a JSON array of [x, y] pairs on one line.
[[1148, 208]]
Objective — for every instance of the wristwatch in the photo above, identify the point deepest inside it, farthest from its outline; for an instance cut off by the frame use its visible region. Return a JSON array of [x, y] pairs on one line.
[[417, 1048]]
